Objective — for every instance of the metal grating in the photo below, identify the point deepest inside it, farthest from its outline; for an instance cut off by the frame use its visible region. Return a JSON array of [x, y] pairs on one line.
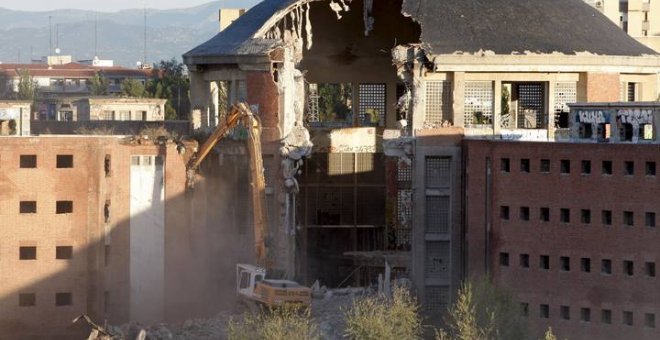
[[438, 102], [436, 299], [437, 260], [437, 214], [341, 164], [478, 108], [531, 103], [438, 172], [372, 104], [404, 208], [404, 173], [565, 93], [312, 114]]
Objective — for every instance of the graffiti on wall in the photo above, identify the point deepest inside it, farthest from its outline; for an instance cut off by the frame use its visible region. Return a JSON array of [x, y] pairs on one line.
[[636, 117], [592, 117]]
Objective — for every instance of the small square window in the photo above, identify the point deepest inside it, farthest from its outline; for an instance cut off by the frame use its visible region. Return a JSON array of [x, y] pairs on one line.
[[649, 320], [544, 311], [628, 268], [607, 217], [64, 207], [586, 167], [650, 168], [606, 316], [565, 215], [27, 253], [524, 165], [565, 166], [544, 214], [650, 219], [505, 165], [63, 299], [524, 309], [585, 265], [64, 161], [27, 299], [628, 218], [565, 312], [629, 168], [504, 259], [649, 269], [565, 263], [63, 252], [544, 262], [606, 267], [544, 166], [524, 260], [607, 168], [524, 213], [504, 212], [585, 216], [27, 207], [627, 318], [28, 161], [585, 315]]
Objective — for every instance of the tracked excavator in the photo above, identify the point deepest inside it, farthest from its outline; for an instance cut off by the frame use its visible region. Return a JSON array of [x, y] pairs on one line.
[[251, 283]]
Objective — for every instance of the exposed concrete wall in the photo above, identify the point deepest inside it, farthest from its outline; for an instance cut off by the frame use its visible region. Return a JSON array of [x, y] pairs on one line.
[[147, 241]]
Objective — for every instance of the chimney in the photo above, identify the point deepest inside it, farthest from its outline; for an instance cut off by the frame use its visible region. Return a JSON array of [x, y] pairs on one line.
[[229, 15]]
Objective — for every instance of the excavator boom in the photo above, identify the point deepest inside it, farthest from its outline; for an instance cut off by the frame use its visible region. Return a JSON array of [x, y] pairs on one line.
[[241, 114]]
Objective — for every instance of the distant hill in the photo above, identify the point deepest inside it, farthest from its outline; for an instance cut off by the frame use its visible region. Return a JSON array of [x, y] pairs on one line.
[[170, 33]]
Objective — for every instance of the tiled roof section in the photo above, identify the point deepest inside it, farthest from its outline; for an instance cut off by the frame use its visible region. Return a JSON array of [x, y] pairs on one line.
[[517, 26], [464, 26]]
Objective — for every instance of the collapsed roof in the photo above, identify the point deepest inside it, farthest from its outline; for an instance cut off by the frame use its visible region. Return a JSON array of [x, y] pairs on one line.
[[455, 26]]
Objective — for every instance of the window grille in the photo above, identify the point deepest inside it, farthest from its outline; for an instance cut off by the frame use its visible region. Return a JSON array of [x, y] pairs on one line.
[[438, 102], [437, 260], [372, 104], [437, 214], [438, 172], [478, 109]]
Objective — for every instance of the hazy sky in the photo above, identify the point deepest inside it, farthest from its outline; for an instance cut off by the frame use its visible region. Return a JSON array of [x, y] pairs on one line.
[[98, 5]]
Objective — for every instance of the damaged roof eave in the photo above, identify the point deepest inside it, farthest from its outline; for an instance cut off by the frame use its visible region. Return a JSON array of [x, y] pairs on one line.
[[556, 62], [226, 59]]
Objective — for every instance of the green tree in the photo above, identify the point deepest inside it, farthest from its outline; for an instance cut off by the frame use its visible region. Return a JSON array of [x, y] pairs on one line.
[[382, 318], [132, 88], [170, 81], [484, 312], [27, 86], [98, 85]]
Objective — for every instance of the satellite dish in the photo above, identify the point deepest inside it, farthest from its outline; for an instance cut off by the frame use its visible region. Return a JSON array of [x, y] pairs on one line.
[[139, 63], [57, 51]]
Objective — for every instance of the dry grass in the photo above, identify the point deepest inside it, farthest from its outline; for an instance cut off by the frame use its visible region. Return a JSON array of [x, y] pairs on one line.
[[382, 318], [284, 323]]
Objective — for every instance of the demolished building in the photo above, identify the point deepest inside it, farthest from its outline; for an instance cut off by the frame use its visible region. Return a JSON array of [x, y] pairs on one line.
[[389, 92]]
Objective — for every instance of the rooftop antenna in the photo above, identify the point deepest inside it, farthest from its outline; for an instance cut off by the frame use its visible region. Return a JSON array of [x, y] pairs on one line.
[[50, 26], [96, 17], [144, 60]]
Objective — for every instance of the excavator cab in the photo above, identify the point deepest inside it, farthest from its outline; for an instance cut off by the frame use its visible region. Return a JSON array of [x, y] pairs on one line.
[[247, 278]]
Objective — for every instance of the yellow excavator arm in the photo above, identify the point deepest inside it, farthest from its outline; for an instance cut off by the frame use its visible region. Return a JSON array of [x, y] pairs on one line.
[[241, 114]]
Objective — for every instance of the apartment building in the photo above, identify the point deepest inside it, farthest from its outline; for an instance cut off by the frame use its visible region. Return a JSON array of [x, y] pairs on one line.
[[639, 18]]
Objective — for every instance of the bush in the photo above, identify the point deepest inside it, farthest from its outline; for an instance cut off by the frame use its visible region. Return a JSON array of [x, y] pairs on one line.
[[283, 323], [378, 317], [484, 311]]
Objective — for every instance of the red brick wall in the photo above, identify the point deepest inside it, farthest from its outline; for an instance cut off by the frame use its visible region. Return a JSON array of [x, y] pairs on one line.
[[262, 91], [575, 191], [603, 87]]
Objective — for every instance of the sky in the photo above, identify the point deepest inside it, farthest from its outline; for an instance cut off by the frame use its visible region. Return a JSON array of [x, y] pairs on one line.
[[97, 5]]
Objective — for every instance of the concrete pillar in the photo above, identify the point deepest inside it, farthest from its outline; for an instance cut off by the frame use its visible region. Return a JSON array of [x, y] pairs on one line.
[[458, 98], [199, 100], [214, 103], [497, 107], [418, 106], [550, 107]]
